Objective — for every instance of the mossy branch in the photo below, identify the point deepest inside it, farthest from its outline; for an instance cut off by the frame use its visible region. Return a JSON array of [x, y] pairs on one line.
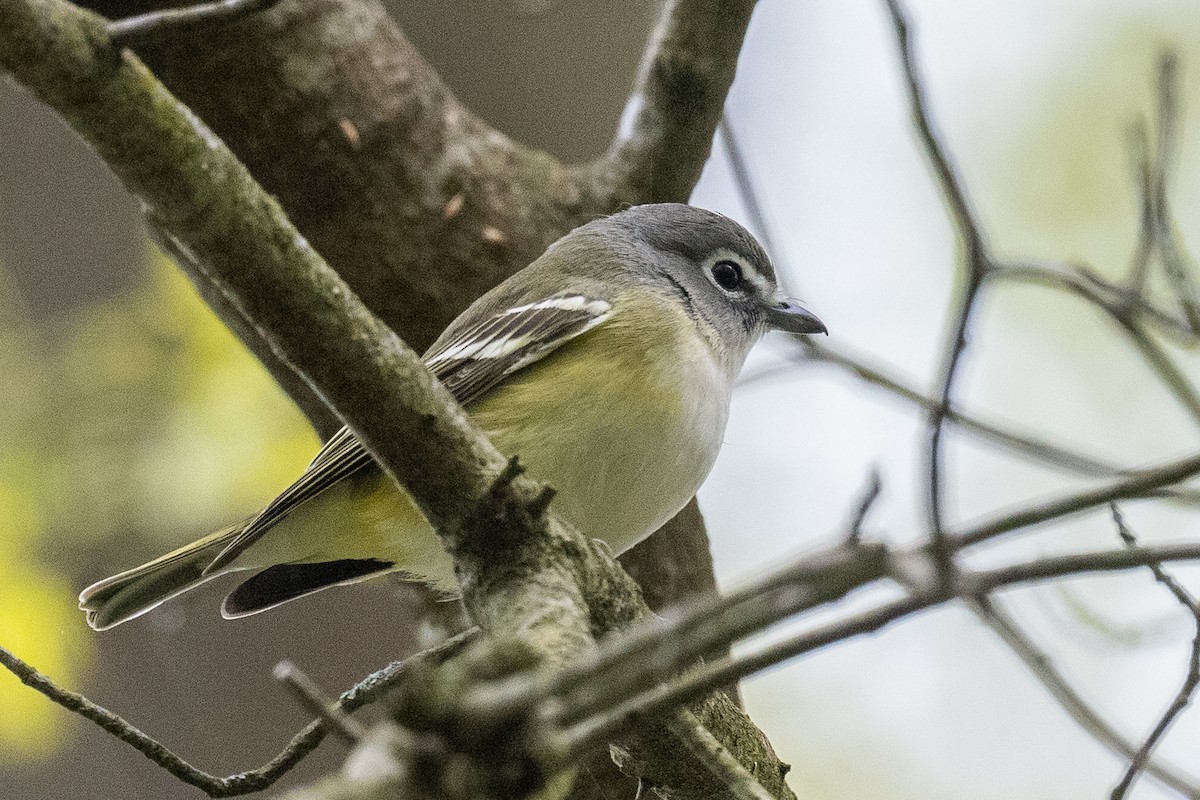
[[548, 586]]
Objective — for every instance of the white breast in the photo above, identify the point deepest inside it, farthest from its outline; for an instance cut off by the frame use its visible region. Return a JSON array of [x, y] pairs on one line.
[[641, 431]]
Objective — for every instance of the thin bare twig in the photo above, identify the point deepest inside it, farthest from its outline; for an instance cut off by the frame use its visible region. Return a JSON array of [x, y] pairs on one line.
[[318, 703], [605, 722], [131, 31], [656, 651], [1043, 667], [1143, 249], [368, 690], [1127, 306], [1172, 377], [860, 365], [978, 262], [1190, 682], [1120, 304], [1176, 265], [1050, 567], [117, 726], [876, 374], [873, 374], [1090, 286], [1127, 309], [1138, 484], [1117, 301], [871, 492], [743, 181], [1157, 233]]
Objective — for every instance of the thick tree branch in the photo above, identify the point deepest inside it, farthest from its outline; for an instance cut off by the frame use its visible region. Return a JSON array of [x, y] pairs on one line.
[[130, 31], [319, 414], [423, 207], [402, 209], [244, 242], [523, 574], [498, 205], [714, 755], [676, 103]]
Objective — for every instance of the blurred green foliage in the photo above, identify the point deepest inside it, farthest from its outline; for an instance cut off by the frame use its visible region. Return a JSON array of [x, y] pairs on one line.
[[126, 428], [1066, 184]]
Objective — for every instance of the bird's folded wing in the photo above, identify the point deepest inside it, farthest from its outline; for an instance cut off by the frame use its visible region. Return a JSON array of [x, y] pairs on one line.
[[468, 364], [481, 355]]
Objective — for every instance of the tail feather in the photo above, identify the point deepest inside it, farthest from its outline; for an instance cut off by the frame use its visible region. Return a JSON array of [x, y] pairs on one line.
[[134, 592], [284, 582]]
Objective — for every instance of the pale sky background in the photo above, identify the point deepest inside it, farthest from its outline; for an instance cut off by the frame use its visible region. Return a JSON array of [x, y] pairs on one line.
[[1033, 99]]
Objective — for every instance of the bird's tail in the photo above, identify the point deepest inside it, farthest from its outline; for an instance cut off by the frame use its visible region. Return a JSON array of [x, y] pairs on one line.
[[135, 591]]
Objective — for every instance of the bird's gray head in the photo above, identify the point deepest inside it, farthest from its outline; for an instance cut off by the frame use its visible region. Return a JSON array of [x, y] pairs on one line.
[[714, 264]]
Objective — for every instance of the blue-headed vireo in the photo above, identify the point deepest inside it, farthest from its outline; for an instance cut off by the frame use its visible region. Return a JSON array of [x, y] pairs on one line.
[[606, 365]]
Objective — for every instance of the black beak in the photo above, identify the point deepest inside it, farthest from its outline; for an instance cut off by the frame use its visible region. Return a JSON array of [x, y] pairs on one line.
[[788, 315]]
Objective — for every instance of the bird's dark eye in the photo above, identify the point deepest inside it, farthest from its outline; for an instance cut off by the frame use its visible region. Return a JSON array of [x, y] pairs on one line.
[[728, 275]]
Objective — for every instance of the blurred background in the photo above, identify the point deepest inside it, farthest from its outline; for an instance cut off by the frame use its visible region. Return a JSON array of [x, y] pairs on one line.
[[130, 421]]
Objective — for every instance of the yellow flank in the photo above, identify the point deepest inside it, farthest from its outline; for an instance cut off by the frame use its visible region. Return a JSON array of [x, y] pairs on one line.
[[634, 444], [631, 449]]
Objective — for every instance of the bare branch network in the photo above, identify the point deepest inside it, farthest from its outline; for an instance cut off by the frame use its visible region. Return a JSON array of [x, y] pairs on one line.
[[568, 659]]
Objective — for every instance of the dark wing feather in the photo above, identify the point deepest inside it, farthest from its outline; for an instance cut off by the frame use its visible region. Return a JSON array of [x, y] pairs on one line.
[[469, 364], [481, 355]]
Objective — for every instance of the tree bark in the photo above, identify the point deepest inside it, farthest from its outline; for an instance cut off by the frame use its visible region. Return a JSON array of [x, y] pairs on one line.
[[417, 204]]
